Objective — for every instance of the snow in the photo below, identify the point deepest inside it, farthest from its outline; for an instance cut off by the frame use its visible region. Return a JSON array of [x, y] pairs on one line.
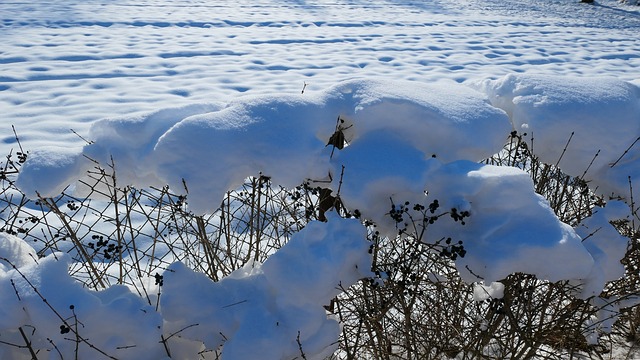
[[439, 131], [263, 311], [17, 250], [201, 96], [66, 65], [115, 321], [605, 244], [510, 227], [59, 168], [584, 125], [494, 290], [259, 312]]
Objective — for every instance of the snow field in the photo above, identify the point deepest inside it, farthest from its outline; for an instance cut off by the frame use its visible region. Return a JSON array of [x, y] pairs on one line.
[[206, 94], [66, 65]]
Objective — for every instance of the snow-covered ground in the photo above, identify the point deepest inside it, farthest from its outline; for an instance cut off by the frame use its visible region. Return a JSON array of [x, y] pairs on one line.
[[66, 64], [421, 92]]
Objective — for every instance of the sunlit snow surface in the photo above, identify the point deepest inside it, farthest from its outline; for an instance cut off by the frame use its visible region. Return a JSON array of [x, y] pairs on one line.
[[114, 318], [65, 64], [260, 313], [406, 140], [425, 90]]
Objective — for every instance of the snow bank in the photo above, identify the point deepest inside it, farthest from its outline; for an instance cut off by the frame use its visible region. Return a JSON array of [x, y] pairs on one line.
[[596, 119]]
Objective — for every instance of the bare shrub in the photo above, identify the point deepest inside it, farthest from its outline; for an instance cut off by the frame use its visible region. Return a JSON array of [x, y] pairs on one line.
[[416, 307]]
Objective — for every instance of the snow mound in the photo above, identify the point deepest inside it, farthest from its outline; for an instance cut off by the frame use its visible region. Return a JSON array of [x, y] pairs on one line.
[[265, 312], [52, 169], [383, 142], [509, 229], [283, 137], [574, 122], [17, 251], [605, 244], [93, 314]]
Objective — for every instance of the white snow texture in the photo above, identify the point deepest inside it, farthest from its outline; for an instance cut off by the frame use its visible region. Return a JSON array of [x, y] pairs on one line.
[[403, 139], [209, 92]]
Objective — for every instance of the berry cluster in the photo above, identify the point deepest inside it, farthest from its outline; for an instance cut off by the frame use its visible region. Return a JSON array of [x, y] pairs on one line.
[[159, 279], [459, 216], [453, 251], [71, 205], [108, 250]]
